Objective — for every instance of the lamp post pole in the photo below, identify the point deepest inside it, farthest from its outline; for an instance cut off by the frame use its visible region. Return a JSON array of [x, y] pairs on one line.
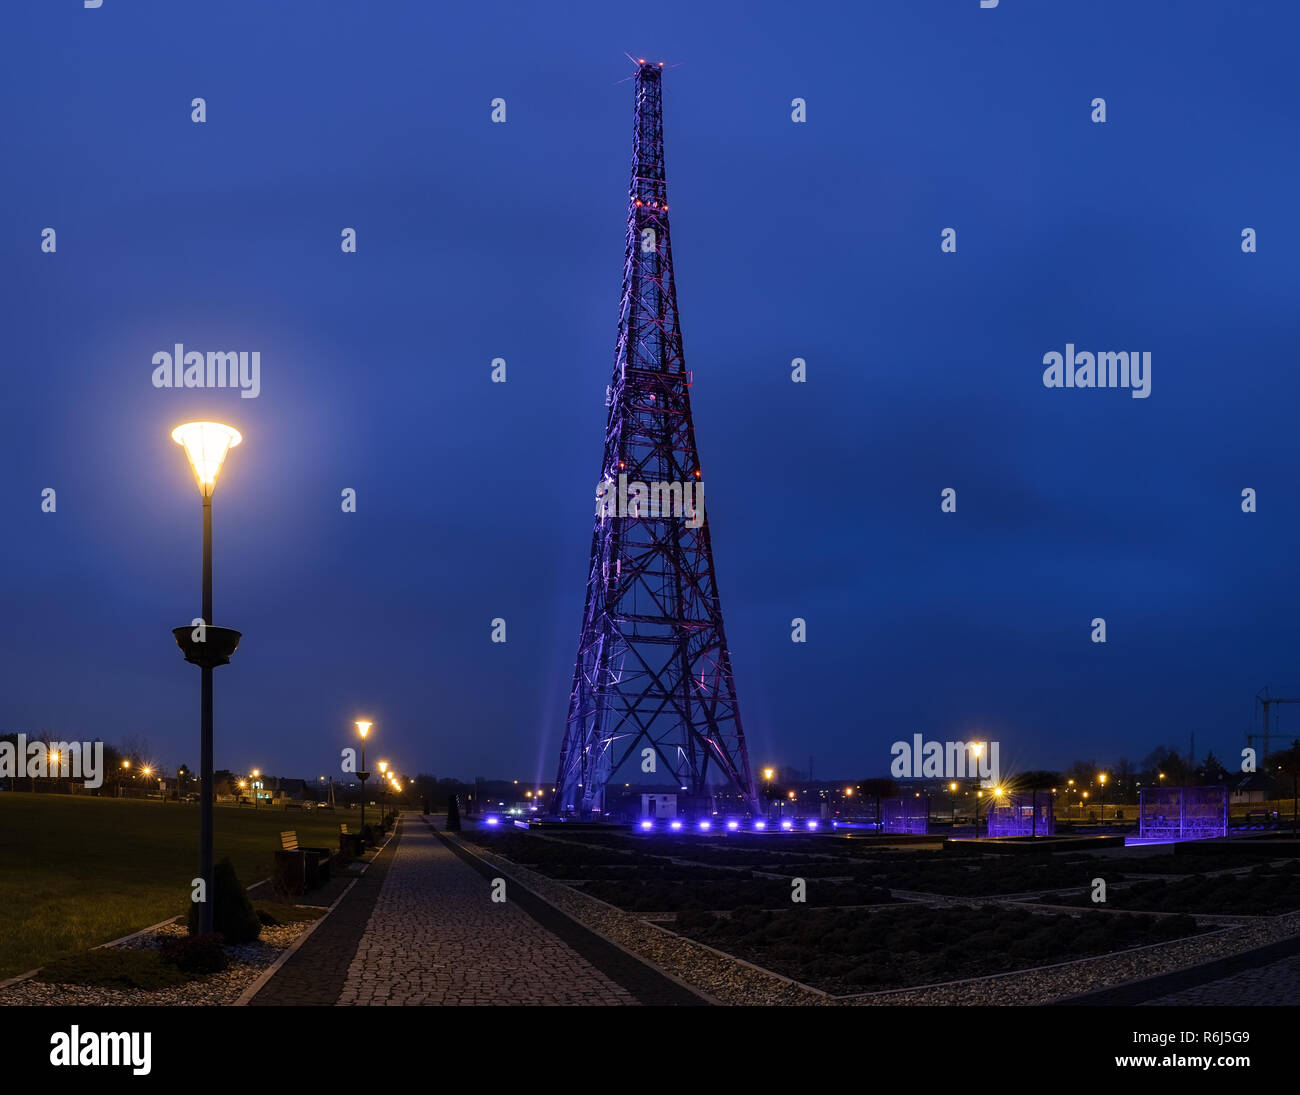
[[207, 646], [205, 740]]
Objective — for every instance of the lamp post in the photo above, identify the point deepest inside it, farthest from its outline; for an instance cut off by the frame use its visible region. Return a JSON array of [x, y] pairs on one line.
[[255, 783], [383, 776], [363, 728], [205, 645]]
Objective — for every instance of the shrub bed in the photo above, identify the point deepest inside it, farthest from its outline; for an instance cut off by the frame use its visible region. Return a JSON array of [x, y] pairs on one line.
[[659, 896], [844, 952]]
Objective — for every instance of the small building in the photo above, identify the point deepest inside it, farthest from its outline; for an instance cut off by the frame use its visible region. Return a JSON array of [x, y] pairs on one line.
[[658, 806], [1256, 787]]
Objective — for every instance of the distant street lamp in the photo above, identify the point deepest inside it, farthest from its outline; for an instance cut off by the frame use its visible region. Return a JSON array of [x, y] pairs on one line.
[[205, 645], [363, 728]]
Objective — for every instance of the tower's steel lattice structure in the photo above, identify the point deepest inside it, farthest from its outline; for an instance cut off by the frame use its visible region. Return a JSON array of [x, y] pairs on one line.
[[653, 669]]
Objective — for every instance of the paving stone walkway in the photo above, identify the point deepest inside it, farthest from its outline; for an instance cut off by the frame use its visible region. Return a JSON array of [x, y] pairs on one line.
[[1267, 975], [1277, 984], [421, 928], [436, 937]]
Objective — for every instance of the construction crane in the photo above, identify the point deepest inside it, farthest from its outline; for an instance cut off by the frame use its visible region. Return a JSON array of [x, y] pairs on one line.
[[1265, 700]]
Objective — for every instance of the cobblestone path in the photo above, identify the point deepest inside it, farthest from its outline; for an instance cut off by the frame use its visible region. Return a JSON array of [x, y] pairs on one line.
[[421, 928], [437, 937], [1276, 984]]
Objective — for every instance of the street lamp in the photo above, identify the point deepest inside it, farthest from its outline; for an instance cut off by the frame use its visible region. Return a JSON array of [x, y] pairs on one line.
[[205, 645], [363, 728]]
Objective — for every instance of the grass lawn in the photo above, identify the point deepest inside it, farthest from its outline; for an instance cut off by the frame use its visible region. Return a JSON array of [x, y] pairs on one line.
[[76, 870]]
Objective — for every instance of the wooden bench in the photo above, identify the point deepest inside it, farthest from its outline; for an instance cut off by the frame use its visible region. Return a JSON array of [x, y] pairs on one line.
[[313, 863], [350, 844]]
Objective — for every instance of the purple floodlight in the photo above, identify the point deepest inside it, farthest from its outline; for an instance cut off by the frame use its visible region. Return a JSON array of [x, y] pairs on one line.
[[674, 825], [787, 825], [647, 825], [733, 825], [493, 820], [812, 825], [759, 826], [705, 826]]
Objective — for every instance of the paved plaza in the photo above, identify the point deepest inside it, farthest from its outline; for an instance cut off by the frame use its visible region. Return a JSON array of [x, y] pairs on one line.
[[421, 928]]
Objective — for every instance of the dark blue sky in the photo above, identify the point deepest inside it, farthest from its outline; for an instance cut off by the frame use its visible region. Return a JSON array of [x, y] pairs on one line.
[[819, 241]]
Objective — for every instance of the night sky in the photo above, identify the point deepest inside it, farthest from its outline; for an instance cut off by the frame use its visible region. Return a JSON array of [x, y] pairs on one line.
[[817, 240]]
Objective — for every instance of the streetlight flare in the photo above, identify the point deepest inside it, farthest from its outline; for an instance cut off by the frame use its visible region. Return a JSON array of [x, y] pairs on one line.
[[206, 444]]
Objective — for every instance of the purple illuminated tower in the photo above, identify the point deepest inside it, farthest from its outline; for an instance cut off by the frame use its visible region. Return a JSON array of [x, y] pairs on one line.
[[653, 685]]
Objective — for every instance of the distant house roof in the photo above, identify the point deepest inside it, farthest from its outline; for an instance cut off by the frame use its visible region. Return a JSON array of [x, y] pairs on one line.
[[1257, 781]]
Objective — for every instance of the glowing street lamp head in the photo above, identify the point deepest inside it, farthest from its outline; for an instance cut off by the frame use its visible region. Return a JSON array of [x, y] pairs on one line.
[[768, 773], [363, 727], [383, 766], [206, 444], [977, 747]]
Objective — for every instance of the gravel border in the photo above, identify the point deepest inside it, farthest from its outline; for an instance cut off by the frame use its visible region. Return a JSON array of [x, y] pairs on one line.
[[247, 963]]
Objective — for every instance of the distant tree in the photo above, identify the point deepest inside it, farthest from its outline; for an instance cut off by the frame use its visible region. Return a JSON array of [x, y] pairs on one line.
[[1166, 759], [1083, 772], [1125, 776], [1211, 770], [878, 789]]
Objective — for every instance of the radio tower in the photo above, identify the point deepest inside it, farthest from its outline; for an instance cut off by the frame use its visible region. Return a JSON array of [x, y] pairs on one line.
[[653, 669]]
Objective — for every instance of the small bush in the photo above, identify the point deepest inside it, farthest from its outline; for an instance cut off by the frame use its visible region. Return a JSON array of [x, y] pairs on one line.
[[233, 915], [114, 968], [196, 953]]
